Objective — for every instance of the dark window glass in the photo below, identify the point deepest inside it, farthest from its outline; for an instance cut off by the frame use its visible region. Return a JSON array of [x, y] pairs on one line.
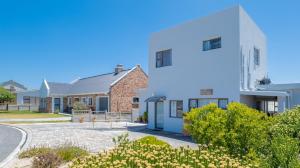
[[176, 108], [135, 100], [256, 56], [103, 103], [164, 58], [212, 44], [26, 100]]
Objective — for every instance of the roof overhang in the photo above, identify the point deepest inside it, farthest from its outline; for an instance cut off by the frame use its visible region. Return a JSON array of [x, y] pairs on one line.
[[156, 99], [264, 93]]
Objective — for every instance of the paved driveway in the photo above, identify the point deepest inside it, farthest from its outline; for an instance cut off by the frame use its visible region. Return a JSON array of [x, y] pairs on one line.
[[95, 138], [9, 141]]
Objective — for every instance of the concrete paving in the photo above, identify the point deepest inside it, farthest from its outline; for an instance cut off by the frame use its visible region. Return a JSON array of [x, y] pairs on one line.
[[10, 138], [93, 138]]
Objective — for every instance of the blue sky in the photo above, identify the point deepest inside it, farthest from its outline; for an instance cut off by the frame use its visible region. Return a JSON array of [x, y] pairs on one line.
[[61, 40]]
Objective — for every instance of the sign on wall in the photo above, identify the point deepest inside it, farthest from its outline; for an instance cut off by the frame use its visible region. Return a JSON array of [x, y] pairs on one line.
[[206, 92]]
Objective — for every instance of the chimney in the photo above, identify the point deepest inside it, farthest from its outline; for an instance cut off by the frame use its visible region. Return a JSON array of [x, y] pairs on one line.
[[118, 68]]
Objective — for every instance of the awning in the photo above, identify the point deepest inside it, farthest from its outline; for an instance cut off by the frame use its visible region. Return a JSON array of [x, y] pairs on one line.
[[264, 93], [156, 99]]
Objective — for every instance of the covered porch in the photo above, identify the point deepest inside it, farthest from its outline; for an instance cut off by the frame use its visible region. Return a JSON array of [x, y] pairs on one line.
[[270, 102]]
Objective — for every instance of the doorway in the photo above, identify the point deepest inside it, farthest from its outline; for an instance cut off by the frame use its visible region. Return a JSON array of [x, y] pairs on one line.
[[159, 115]]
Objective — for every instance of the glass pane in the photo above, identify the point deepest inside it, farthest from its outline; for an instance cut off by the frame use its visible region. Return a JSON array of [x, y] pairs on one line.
[[173, 108], [159, 59], [223, 103], [103, 103], [179, 108], [193, 103]]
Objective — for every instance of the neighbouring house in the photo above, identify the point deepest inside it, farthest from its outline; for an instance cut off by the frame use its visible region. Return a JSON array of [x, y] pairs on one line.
[[218, 59], [110, 92], [29, 97], [13, 86]]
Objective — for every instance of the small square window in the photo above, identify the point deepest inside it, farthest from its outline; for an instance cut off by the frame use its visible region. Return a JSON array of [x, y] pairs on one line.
[[135, 100], [164, 58], [212, 44]]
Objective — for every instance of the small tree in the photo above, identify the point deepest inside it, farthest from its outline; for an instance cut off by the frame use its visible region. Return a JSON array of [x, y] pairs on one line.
[[5, 96]]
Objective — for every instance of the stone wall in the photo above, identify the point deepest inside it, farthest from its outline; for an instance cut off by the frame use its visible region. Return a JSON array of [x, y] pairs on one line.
[[122, 93]]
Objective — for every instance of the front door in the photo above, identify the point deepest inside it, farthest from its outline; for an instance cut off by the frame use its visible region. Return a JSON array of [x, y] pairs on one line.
[[56, 104], [159, 115], [103, 104]]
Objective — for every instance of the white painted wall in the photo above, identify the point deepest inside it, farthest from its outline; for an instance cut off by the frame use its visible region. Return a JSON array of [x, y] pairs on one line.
[[251, 37], [194, 69]]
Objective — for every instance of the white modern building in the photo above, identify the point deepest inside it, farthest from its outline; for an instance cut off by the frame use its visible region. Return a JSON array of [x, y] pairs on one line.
[[220, 58]]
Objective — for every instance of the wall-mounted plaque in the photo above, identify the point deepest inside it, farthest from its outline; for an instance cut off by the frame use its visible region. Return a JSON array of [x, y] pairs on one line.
[[206, 92]]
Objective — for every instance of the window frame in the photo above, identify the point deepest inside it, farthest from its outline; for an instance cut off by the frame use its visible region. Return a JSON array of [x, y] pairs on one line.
[[133, 102], [218, 104], [212, 44], [27, 98], [163, 54], [89, 101], [170, 110]]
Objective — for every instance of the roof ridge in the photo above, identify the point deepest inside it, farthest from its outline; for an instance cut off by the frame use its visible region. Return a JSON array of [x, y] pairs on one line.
[[104, 74]]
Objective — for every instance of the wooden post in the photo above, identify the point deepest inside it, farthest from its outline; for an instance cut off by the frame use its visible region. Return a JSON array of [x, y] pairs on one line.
[[6, 106], [18, 107], [72, 115], [29, 107], [90, 115]]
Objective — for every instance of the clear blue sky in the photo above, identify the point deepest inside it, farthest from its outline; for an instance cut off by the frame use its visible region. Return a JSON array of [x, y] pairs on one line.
[[61, 40]]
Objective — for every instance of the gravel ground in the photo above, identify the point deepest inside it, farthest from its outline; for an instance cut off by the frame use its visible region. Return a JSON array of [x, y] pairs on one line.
[[93, 138]]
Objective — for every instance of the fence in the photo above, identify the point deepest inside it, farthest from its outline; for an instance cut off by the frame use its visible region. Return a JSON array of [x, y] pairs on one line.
[[28, 107], [97, 116]]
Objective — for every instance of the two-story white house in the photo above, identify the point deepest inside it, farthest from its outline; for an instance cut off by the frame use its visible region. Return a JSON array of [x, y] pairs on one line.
[[220, 58]]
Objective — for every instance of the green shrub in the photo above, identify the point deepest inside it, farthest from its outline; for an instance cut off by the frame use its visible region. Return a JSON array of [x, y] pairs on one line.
[[152, 140], [35, 151], [284, 152], [47, 160], [145, 117], [239, 128], [68, 153], [65, 152], [207, 125], [246, 129]]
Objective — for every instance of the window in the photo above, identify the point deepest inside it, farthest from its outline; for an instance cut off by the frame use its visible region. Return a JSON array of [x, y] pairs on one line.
[[164, 58], [135, 100], [90, 101], [26, 100], [195, 103], [176, 108], [83, 100], [212, 44], [256, 56], [223, 103]]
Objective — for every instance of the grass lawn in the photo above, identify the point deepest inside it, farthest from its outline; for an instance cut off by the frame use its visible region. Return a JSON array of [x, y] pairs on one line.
[[26, 115]]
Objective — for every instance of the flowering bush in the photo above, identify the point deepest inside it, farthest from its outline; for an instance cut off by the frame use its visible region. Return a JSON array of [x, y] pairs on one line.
[[136, 154], [240, 129]]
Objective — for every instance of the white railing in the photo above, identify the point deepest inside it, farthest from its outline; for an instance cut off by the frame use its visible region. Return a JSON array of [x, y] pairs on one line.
[[100, 116]]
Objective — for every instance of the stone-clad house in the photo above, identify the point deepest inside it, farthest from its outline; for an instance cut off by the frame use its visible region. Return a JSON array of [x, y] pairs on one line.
[[112, 92]]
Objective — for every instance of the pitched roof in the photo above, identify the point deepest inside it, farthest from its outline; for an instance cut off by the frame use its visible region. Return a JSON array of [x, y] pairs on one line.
[[59, 88], [12, 82], [95, 84]]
